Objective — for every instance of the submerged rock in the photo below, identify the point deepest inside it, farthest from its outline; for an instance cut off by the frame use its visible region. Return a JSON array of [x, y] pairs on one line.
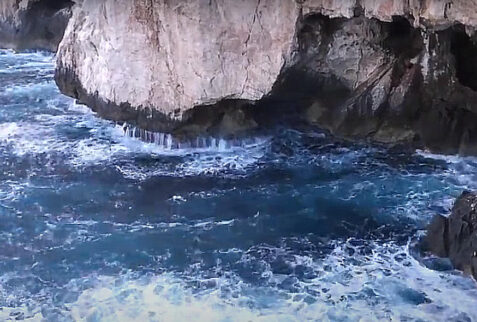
[[455, 237], [391, 71], [33, 24]]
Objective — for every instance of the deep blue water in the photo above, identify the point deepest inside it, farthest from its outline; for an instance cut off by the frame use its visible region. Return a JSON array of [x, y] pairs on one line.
[[294, 226]]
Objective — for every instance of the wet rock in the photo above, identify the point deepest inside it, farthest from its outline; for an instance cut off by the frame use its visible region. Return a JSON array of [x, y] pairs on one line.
[[33, 24], [436, 240], [455, 237], [438, 264], [412, 296]]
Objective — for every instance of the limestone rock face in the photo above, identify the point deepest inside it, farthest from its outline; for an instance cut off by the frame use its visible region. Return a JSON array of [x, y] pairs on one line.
[[423, 13], [33, 24], [173, 55], [456, 236]]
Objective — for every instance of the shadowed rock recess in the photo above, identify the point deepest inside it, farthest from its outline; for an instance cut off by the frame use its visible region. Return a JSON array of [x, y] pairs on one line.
[[388, 71], [456, 236], [33, 24]]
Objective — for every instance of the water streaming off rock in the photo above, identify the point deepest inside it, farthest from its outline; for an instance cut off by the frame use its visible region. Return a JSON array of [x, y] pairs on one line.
[[97, 225], [200, 144]]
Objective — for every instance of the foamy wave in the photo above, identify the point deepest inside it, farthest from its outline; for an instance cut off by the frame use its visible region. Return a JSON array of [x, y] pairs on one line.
[[27, 138], [8, 130], [31, 89], [372, 282], [211, 160], [390, 284], [106, 144], [90, 152], [461, 169], [163, 298]]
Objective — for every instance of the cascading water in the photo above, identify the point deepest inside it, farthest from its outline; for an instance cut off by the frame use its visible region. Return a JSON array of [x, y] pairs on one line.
[[168, 142], [97, 225]]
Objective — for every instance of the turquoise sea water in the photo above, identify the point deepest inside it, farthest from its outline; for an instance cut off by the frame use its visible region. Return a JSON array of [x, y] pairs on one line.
[[290, 226]]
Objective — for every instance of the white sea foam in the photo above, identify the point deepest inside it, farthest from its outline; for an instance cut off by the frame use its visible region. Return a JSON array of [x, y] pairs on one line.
[[207, 161], [28, 138], [30, 89], [107, 143], [166, 144], [8, 130], [385, 284], [389, 284], [12, 62], [447, 158], [35, 56], [90, 151], [461, 169]]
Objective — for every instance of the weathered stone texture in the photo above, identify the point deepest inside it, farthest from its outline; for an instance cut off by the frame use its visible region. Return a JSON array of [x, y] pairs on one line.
[[174, 55]]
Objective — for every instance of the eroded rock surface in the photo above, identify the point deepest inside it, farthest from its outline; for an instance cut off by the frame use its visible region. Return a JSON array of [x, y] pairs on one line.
[[170, 56], [391, 71], [33, 24], [389, 81], [456, 236]]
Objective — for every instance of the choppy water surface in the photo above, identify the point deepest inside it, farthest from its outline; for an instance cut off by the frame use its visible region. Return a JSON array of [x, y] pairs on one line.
[[97, 226]]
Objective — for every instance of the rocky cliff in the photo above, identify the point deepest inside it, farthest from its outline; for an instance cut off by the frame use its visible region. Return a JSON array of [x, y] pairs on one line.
[[33, 24], [165, 57], [391, 71], [455, 236]]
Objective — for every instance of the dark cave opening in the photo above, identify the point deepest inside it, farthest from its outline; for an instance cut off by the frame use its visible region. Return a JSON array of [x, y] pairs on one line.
[[44, 24], [400, 27], [314, 29], [402, 38], [305, 81], [465, 54], [54, 5]]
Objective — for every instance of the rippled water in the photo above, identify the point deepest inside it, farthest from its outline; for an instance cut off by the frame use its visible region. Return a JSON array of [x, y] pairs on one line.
[[295, 226]]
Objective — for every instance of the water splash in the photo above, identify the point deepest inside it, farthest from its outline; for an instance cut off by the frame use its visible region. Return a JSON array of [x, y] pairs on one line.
[[168, 142]]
